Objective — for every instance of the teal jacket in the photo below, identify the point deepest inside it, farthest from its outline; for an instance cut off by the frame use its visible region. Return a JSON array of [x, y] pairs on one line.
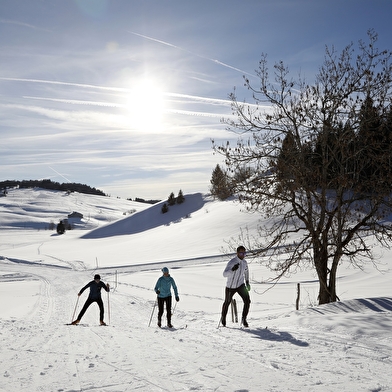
[[164, 285]]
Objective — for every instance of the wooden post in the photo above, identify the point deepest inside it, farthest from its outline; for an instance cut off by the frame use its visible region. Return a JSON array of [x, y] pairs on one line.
[[298, 293]]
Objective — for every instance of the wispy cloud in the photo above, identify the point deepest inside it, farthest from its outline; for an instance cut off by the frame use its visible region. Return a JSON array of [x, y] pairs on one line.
[[65, 84], [224, 102], [22, 24], [192, 53], [77, 101]]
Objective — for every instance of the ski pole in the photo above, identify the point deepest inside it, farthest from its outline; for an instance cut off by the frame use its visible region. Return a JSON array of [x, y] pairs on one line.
[[76, 305], [234, 303], [155, 304], [174, 308], [108, 308], [219, 323]]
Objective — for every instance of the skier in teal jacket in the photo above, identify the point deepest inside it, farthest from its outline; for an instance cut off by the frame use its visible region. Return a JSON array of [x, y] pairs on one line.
[[163, 290]]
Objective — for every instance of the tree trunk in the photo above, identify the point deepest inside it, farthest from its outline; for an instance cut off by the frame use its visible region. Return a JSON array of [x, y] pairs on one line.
[[324, 294], [327, 282], [321, 264], [332, 278]]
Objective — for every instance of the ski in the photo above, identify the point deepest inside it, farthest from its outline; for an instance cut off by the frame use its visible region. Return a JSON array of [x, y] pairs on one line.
[[233, 327], [173, 328], [86, 325]]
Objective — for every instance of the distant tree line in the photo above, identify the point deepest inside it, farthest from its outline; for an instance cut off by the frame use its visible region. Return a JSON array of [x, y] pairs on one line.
[[52, 185], [140, 200]]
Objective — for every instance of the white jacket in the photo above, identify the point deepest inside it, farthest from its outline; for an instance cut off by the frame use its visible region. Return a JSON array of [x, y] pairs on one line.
[[236, 278]]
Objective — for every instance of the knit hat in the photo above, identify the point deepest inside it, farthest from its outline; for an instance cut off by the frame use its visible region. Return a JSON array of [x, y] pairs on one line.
[[165, 269], [97, 277]]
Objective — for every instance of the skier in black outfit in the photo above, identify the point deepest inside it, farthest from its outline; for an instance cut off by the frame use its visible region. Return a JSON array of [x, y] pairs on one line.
[[94, 296]]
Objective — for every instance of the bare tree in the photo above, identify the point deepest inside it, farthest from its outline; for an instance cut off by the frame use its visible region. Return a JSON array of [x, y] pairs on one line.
[[302, 166]]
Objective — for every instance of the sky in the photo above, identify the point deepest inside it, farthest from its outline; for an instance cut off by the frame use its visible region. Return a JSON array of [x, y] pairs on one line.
[[344, 346], [126, 95]]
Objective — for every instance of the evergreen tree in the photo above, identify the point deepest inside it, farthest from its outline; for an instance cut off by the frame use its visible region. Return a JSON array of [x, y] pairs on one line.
[[180, 197], [286, 159], [220, 184], [386, 130], [164, 208], [369, 144], [171, 199]]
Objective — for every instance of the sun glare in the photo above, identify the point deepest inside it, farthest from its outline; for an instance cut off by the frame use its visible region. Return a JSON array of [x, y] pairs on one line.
[[145, 105]]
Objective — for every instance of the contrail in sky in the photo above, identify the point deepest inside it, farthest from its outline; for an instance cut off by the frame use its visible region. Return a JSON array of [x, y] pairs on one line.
[[66, 84], [59, 174], [118, 89], [118, 105], [213, 101], [188, 51], [23, 24], [76, 101]]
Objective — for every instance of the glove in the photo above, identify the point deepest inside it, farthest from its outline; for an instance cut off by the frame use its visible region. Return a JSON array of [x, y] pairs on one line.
[[157, 291], [107, 285], [247, 285], [177, 298], [235, 267]]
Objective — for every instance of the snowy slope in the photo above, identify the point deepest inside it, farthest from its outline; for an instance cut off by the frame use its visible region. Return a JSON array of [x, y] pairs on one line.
[[345, 346]]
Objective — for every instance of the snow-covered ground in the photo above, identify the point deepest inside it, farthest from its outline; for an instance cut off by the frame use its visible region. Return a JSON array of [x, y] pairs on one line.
[[346, 346]]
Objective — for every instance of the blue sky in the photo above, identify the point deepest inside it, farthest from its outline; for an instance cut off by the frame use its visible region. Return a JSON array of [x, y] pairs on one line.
[[126, 95]]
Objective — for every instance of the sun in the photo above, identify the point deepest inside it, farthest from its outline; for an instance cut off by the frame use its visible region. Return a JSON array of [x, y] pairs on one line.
[[145, 105]]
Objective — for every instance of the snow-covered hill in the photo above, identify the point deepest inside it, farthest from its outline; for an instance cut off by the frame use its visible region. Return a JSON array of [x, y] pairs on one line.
[[345, 346]]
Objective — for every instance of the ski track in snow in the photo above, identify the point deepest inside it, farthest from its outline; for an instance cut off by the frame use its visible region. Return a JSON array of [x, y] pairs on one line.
[[347, 347], [201, 357]]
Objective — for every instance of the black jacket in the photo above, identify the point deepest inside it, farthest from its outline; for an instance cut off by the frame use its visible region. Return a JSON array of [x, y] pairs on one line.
[[95, 289]]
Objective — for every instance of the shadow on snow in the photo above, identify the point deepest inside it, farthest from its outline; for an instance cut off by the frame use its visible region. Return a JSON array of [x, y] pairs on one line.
[[276, 336], [150, 218]]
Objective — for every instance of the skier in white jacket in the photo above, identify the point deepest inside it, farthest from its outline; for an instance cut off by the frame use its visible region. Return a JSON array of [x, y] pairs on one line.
[[237, 274]]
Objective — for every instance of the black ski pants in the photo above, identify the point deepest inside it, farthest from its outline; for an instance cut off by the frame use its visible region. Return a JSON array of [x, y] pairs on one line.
[[161, 303], [244, 294], [88, 303]]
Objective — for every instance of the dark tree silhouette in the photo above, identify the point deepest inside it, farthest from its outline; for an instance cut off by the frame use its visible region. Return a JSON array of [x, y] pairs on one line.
[[313, 163]]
